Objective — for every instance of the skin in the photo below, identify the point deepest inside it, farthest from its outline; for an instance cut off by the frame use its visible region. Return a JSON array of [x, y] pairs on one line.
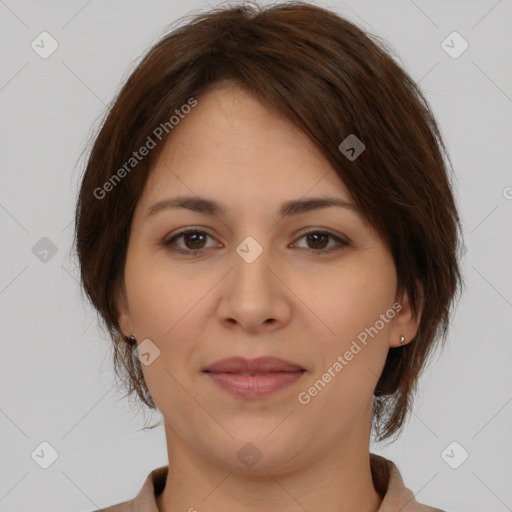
[[289, 303]]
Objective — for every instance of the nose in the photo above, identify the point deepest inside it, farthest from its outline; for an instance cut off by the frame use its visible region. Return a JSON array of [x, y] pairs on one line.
[[254, 295]]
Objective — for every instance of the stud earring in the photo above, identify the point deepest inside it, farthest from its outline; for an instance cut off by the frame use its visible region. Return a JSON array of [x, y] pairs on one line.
[[402, 339], [131, 339]]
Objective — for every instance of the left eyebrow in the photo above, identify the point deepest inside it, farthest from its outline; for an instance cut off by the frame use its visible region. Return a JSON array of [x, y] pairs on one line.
[[211, 207]]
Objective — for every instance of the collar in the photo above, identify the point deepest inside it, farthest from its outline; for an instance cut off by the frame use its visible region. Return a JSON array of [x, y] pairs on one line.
[[387, 481]]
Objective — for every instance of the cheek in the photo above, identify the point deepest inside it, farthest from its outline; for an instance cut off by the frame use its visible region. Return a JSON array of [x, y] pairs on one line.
[[162, 308], [169, 307], [354, 297], [158, 297], [351, 306]]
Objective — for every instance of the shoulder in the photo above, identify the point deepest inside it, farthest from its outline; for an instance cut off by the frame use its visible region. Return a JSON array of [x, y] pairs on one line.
[[145, 500], [390, 485], [125, 506]]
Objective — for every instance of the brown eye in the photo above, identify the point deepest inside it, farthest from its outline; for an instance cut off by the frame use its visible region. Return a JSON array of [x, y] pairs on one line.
[[196, 240], [193, 240], [317, 242]]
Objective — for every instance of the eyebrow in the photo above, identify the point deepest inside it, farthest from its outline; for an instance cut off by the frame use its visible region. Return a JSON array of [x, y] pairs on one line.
[[214, 208]]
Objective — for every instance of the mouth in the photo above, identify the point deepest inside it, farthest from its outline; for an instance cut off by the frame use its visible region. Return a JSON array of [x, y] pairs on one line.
[[264, 364], [254, 378]]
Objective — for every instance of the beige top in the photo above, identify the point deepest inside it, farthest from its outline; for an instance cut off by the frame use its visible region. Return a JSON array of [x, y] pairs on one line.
[[386, 479]]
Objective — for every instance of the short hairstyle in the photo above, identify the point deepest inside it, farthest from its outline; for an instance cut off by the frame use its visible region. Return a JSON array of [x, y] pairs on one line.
[[331, 79]]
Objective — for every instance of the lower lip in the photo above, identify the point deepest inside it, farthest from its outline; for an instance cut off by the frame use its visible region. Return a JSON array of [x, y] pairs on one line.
[[254, 385]]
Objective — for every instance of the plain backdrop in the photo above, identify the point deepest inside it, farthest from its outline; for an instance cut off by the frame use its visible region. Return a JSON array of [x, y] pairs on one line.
[[56, 372]]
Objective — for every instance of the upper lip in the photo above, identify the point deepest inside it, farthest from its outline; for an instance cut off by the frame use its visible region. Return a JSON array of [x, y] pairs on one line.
[[259, 365]]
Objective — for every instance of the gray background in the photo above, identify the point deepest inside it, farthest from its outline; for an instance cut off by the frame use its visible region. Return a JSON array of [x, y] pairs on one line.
[[56, 378]]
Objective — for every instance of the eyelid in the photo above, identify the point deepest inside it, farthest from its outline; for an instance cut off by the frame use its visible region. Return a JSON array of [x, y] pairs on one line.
[[328, 231], [341, 240], [169, 239]]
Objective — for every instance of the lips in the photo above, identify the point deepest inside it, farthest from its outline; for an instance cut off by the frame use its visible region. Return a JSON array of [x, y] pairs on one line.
[[254, 366], [252, 379]]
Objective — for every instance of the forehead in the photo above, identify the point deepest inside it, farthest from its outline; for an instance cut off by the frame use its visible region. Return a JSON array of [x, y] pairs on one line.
[[232, 141]]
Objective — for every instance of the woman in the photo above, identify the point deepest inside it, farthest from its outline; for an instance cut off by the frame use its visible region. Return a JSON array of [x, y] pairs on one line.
[[267, 228]]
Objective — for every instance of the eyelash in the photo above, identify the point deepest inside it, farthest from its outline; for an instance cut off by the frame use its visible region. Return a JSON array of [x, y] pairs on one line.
[[320, 252]]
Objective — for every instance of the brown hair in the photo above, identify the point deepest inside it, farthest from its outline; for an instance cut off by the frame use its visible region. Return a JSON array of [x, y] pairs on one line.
[[330, 79]]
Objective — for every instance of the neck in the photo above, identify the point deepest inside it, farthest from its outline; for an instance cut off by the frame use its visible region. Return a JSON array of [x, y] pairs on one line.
[[339, 479]]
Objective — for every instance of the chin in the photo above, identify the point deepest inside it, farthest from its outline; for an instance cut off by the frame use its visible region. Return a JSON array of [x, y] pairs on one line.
[[258, 453]]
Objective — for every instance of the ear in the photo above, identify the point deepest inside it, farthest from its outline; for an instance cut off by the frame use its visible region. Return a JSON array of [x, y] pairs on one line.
[[123, 311], [405, 323]]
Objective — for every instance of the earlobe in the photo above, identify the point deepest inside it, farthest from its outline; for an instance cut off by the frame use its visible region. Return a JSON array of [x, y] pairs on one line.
[[123, 318], [406, 322], [125, 324]]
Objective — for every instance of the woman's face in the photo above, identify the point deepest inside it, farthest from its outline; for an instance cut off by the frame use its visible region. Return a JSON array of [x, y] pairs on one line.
[[265, 283]]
